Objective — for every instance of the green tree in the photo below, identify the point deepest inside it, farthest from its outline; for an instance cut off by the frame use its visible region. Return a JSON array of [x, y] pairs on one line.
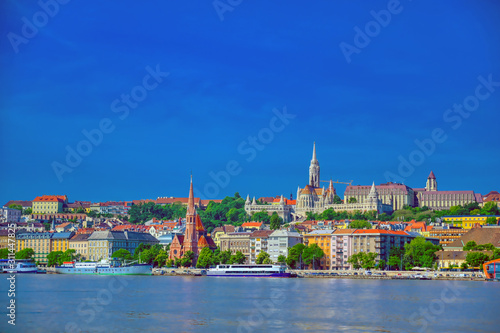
[[147, 256], [464, 266], [261, 216], [471, 245], [4, 253], [360, 225], [238, 258], [16, 206], [281, 259], [27, 253], [312, 255], [27, 211], [353, 200], [275, 221], [336, 199], [80, 210], [381, 264], [394, 262], [205, 259], [355, 260], [53, 258], [476, 259], [161, 258], [420, 253], [122, 254], [294, 255], [491, 220], [367, 259], [224, 257], [312, 216], [187, 259], [170, 263], [496, 254], [261, 257], [490, 208]]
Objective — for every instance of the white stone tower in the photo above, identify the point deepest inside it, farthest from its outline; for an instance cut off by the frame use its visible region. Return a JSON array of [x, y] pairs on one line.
[[431, 184], [314, 169]]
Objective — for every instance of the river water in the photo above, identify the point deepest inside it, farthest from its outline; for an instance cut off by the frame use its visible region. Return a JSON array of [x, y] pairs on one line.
[[65, 303]]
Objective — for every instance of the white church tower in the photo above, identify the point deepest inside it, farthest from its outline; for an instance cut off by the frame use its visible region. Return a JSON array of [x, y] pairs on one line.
[[314, 169]]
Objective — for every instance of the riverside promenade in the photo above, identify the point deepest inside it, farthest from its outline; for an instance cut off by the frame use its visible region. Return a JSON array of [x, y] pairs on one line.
[[350, 274]]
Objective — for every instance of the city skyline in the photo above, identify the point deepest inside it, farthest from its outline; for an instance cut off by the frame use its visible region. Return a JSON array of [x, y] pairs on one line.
[[210, 86]]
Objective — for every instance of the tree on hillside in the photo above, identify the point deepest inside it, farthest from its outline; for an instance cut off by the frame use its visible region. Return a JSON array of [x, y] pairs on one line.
[[360, 225], [490, 208], [336, 199], [27, 211], [353, 200], [16, 206], [491, 220], [275, 221], [261, 216]]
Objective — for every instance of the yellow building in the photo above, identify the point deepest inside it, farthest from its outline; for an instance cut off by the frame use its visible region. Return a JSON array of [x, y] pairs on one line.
[[323, 238], [60, 241], [40, 242], [49, 204], [218, 232], [467, 222]]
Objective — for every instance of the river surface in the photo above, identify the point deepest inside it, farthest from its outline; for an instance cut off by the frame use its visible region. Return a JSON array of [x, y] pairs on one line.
[[65, 303]]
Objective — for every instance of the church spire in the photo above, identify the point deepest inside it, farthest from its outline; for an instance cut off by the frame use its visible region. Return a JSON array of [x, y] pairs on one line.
[[191, 209], [314, 169]]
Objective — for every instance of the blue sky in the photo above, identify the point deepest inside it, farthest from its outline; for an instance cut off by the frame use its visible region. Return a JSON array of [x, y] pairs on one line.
[[225, 78]]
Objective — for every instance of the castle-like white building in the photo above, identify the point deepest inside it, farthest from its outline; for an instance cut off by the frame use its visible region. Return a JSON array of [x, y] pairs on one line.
[[313, 198]]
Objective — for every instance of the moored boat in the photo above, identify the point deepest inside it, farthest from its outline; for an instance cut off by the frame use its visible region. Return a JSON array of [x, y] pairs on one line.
[[249, 271], [21, 266], [104, 267]]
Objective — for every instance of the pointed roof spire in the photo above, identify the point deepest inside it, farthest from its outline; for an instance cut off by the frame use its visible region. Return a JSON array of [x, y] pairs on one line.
[[431, 175], [314, 151], [190, 209], [373, 189], [253, 201], [281, 200], [248, 199]]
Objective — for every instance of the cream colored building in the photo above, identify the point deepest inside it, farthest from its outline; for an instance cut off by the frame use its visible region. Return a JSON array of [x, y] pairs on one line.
[[80, 244]]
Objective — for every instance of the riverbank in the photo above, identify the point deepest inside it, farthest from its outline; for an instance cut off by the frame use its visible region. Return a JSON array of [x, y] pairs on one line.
[[375, 275]]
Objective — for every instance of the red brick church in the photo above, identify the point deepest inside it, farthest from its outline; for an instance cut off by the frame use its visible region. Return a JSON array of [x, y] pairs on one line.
[[195, 237]]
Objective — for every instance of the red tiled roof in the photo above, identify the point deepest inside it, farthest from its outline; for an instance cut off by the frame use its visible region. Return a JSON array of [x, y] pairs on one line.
[[379, 231], [202, 242], [251, 224], [51, 198], [199, 224], [431, 175]]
